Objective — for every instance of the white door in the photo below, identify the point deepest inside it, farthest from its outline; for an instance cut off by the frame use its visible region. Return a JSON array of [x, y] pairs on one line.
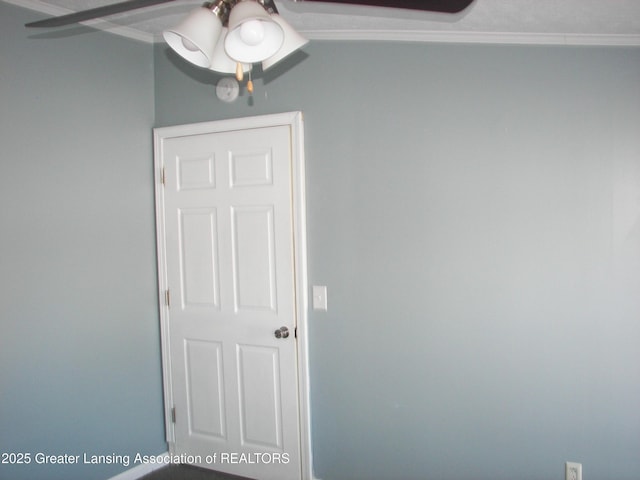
[[231, 314]]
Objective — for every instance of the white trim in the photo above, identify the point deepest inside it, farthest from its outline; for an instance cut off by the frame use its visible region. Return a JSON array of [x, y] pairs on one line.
[[242, 123], [302, 298], [510, 38], [294, 120], [141, 470], [163, 287]]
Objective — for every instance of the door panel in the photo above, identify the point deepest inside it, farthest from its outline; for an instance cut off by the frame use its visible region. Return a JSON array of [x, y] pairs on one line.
[[199, 286], [258, 372], [205, 388], [229, 262], [195, 172], [254, 258], [251, 168]]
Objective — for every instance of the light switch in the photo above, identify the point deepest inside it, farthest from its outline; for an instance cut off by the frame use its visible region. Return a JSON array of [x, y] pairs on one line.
[[319, 297]]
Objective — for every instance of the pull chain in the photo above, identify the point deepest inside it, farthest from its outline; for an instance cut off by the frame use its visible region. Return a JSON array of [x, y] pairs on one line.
[[240, 77], [250, 84], [239, 72]]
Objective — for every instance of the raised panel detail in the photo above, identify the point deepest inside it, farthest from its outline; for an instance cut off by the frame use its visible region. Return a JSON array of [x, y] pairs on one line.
[[254, 258], [196, 172], [259, 388], [251, 169], [199, 259], [205, 388]]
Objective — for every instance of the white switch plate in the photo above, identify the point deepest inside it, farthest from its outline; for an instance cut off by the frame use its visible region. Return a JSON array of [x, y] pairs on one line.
[[319, 293], [573, 471]]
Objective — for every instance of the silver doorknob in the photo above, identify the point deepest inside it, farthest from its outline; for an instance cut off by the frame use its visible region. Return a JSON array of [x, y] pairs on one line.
[[282, 332]]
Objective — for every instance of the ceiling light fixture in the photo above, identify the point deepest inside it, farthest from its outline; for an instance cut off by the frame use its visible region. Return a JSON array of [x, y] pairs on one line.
[[253, 36], [228, 36]]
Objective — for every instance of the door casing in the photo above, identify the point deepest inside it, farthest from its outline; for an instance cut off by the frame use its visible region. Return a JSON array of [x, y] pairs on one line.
[[294, 120]]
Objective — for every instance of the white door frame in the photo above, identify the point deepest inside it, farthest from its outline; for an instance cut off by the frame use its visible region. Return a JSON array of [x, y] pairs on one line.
[[294, 120]]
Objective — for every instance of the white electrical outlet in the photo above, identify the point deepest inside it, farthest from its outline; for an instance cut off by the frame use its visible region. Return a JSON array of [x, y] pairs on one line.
[[573, 471]]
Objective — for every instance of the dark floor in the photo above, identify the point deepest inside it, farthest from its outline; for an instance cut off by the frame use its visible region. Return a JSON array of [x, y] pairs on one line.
[[188, 472]]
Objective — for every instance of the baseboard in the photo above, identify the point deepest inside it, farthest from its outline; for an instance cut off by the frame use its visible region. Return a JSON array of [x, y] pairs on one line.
[[141, 470]]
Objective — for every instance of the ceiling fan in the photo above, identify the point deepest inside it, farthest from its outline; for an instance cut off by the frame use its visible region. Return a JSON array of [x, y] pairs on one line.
[[442, 6], [229, 36]]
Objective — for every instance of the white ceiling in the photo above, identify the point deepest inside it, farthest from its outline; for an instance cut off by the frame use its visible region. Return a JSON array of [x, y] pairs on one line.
[[581, 22]]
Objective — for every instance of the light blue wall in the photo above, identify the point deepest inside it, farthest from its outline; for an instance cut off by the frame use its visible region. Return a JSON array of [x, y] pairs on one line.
[[474, 211], [79, 337], [475, 214]]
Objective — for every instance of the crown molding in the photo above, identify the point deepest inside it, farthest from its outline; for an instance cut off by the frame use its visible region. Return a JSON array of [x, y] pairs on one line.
[[461, 37]]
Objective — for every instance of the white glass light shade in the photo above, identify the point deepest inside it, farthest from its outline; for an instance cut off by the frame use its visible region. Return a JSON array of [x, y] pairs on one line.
[[220, 61], [292, 42], [196, 36], [253, 36]]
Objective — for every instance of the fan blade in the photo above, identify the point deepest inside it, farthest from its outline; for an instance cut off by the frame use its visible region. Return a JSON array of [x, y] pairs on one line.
[[92, 13], [444, 6]]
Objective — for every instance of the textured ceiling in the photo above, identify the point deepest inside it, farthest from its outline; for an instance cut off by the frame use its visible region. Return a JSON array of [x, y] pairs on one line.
[[592, 22]]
